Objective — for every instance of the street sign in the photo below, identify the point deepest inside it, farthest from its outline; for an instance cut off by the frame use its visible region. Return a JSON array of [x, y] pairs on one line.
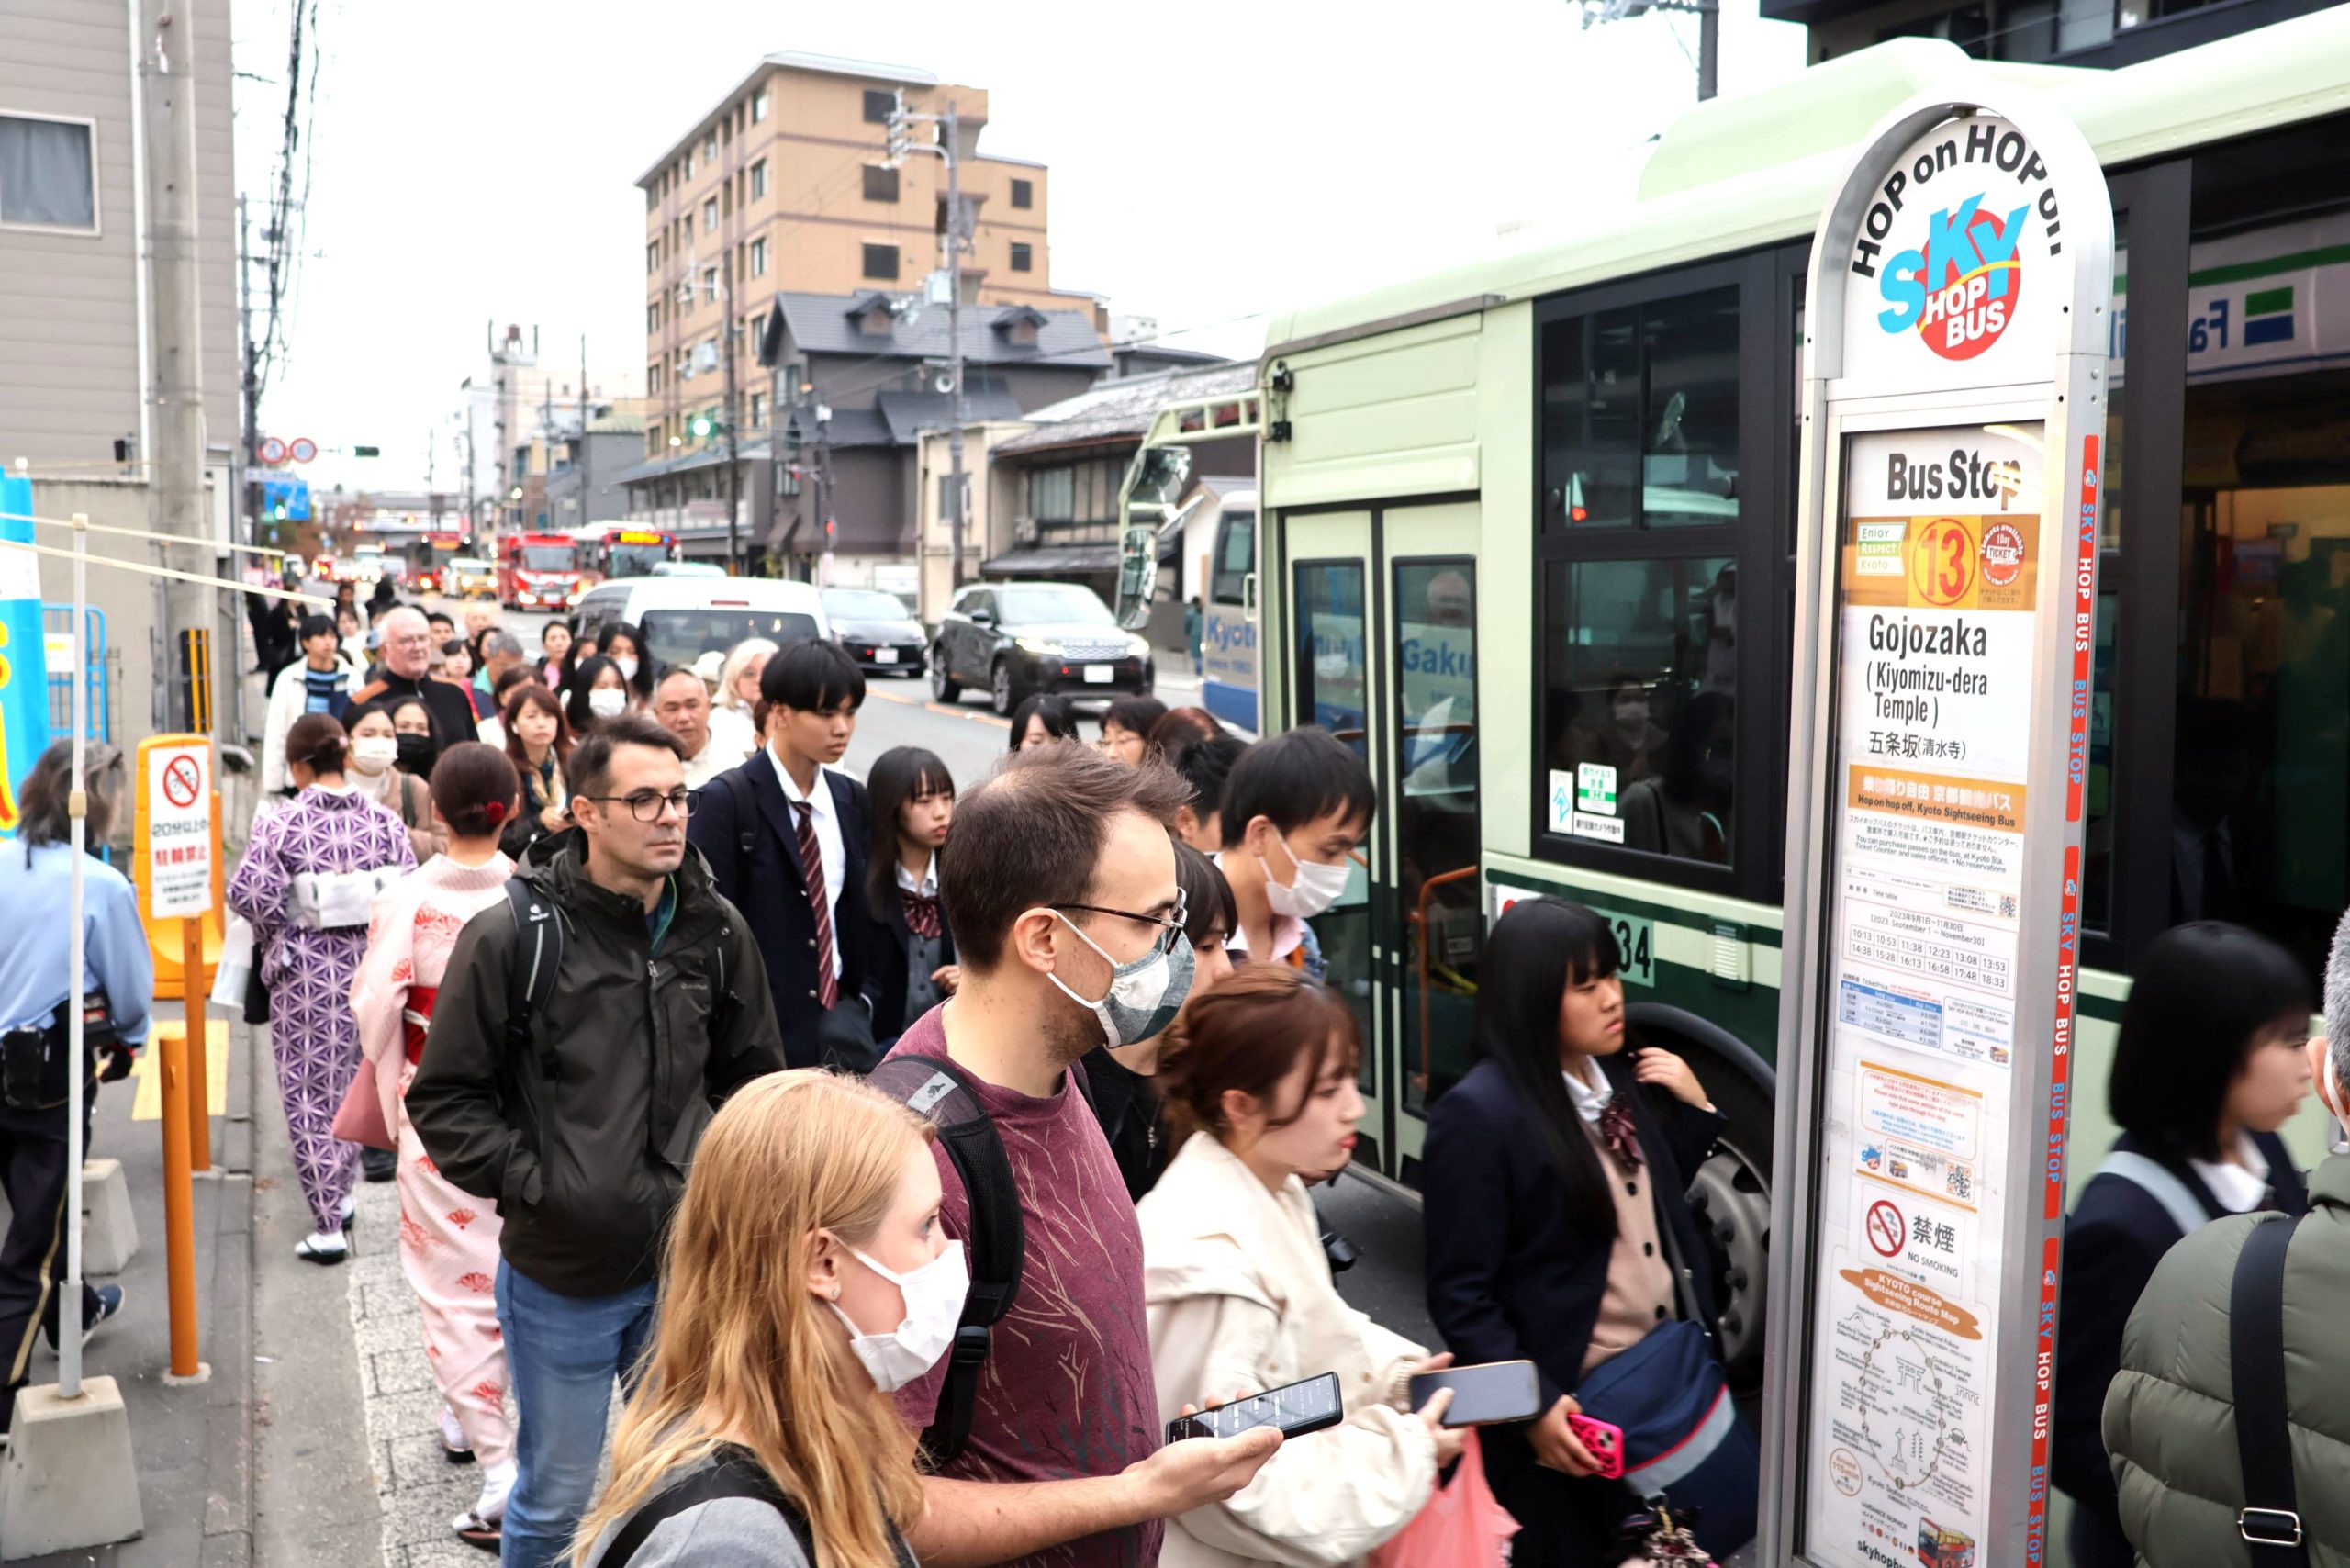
[[175, 805], [302, 448], [272, 451], [1953, 409]]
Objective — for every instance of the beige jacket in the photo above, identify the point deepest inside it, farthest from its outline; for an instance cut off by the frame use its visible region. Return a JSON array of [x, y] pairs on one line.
[[1240, 1299]]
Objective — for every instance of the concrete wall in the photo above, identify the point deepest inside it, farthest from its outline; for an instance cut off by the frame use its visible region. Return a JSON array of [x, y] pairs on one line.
[[69, 328]]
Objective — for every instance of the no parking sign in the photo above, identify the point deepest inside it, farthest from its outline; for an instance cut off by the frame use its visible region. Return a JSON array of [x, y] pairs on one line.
[[175, 804]]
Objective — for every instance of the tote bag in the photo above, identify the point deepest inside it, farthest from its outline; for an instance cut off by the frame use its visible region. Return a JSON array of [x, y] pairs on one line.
[[1684, 1442], [1462, 1525]]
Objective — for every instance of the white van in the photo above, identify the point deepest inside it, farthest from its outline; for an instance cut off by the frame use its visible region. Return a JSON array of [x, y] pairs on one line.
[[684, 618]]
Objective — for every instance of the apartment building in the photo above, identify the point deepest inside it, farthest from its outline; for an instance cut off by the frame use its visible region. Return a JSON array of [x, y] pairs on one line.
[[784, 186]]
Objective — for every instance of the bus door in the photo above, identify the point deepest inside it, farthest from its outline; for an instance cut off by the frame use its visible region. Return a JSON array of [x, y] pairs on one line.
[[1379, 609]]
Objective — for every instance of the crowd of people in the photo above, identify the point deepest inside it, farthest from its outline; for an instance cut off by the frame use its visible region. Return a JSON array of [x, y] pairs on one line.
[[909, 1152]]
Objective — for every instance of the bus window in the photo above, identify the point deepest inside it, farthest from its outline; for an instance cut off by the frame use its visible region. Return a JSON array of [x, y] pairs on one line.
[[1235, 557], [1640, 415], [1331, 685], [1640, 676], [2261, 778], [1436, 818]]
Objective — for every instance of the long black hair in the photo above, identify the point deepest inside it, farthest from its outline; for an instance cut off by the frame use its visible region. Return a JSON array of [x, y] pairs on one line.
[[2200, 996], [1531, 955], [583, 680], [898, 775], [642, 681], [1059, 718]]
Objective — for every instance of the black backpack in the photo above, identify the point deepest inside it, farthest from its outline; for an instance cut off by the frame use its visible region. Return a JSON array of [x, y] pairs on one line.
[[538, 960], [734, 1472], [937, 1089]]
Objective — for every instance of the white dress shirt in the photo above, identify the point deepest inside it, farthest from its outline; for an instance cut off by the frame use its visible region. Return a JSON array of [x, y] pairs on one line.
[[928, 888], [2240, 1184], [826, 816]]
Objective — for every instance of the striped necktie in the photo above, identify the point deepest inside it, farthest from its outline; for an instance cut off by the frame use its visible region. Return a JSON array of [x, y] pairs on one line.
[[811, 867]]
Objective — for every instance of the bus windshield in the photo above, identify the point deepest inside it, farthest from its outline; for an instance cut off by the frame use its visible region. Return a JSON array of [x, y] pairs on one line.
[[544, 557], [1042, 604], [681, 636], [636, 560]]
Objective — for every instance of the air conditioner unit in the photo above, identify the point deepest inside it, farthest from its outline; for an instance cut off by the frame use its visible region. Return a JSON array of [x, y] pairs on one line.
[[686, 292], [705, 357], [1023, 530]]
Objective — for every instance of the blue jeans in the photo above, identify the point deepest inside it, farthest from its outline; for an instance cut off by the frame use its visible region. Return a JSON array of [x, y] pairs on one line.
[[563, 1353]]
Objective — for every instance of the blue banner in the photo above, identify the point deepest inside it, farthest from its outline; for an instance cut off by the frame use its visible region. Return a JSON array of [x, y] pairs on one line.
[[24, 668]]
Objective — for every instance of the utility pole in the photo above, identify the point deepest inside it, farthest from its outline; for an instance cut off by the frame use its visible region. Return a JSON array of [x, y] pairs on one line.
[[167, 71], [958, 234], [1710, 30], [734, 435], [249, 469]]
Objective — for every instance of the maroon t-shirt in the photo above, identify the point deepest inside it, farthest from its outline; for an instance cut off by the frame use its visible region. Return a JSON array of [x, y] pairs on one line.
[[1067, 1389]]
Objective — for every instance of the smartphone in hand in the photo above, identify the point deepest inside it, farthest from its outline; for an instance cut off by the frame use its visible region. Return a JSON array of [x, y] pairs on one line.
[[1605, 1443], [1482, 1395], [1296, 1409]]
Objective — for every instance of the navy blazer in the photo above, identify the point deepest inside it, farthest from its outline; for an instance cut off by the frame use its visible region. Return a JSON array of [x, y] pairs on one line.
[[885, 962], [1510, 1276], [741, 822], [2115, 1236]]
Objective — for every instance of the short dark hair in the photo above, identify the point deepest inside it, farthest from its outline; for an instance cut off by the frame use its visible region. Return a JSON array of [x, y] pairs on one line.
[[454, 646], [1205, 767], [667, 670], [318, 742], [515, 676], [1180, 727], [810, 674], [1058, 718], [43, 798], [1032, 836], [2199, 996], [316, 626], [1248, 1032], [443, 616], [1293, 777], [468, 781], [1136, 715], [589, 769], [1208, 903]]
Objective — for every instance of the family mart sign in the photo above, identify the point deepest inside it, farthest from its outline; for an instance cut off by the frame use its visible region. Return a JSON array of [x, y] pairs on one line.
[[2257, 303]]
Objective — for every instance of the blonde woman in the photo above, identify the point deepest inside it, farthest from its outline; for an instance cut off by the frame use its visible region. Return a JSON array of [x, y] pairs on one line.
[[806, 1277], [732, 733]]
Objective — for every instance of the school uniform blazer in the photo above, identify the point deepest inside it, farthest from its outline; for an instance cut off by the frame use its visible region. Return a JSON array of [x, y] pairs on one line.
[[1510, 1275], [742, 823], [884, 963], [2115, 1236]]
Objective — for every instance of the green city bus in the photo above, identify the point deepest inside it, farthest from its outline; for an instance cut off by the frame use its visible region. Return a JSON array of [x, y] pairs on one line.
[[1528, 538]]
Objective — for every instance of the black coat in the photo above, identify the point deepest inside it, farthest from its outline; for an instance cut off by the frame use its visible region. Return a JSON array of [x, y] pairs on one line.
[[2115, 1236], [886, 973], [1511, 1276], [743, 822]]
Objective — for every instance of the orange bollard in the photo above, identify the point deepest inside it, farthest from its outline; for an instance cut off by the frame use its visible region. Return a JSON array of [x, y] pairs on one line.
[[199, 1112], [179, 1197]]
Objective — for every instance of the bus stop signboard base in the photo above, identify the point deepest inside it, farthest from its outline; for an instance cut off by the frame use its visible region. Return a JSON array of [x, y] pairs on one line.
[[1953, 409]]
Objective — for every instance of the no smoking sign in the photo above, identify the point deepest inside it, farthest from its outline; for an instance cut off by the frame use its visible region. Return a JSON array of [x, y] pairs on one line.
[[1886, 1229]]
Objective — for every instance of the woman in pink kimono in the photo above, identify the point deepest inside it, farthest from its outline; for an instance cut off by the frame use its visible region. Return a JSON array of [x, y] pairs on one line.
[[448, 1238]]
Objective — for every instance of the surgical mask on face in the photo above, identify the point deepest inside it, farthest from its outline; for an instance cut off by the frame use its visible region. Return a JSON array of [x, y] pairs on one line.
[[628, 665], [1144, 995], [607, 703], [934, 1295], [1316, 887], [373, 754]]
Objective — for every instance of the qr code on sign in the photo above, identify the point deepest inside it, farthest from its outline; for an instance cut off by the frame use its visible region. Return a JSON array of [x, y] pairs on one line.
[[1961, 1183]]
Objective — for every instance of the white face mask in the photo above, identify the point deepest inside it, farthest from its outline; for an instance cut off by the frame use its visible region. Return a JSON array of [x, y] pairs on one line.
[[1316, 888], [607, 703], [373, 754], [934, 1295], [628, 665]]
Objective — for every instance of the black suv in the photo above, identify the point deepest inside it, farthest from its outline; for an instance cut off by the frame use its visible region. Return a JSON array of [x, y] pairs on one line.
[[1015, 638]]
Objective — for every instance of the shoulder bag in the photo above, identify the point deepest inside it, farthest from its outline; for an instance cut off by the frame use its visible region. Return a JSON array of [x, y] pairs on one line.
[[2270, 1520]]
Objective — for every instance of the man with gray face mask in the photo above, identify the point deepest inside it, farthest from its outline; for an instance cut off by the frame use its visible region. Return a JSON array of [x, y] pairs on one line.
[[1061, 872], [2228, 1378]]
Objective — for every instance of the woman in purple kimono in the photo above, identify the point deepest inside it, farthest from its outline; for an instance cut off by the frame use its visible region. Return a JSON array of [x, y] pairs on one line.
[[310, 872]]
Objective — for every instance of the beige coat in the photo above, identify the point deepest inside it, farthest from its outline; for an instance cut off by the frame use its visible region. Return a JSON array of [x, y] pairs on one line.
[[1240, 1299]]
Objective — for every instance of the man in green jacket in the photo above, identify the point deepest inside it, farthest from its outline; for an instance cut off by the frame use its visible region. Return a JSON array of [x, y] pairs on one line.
[[583, 1133], [2170, 1417]]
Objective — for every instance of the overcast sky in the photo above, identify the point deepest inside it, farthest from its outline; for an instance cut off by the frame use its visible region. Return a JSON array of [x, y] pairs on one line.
[[475, 159]]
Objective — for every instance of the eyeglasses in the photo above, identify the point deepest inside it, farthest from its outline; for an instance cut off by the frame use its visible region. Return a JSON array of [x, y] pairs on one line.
[[1170, 928], [645, 806]]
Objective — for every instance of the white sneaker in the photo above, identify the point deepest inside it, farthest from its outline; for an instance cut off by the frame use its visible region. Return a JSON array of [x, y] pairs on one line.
[[326, 1247]]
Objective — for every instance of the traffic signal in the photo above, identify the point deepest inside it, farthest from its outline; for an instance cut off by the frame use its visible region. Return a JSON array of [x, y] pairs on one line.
[[703, 427], [278, 511], [366, 452]]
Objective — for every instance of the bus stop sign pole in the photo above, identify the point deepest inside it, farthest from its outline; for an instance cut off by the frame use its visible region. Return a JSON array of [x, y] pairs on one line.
[[1953, 417]]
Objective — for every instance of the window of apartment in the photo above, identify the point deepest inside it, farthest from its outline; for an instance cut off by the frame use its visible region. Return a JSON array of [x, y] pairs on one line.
[[881, 261], [759, 258], [709, 285], [880, 184], [758, 410], [47, 177], [709, 148], [710, 215], [1024, 192], [653, 377], [759, 179], [652, 258], [879, 105], [1023, 256], [685, 166], [653, 317], [759, 109]]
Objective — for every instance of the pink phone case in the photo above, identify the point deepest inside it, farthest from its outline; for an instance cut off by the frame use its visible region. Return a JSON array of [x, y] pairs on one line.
[[1605, 1441]]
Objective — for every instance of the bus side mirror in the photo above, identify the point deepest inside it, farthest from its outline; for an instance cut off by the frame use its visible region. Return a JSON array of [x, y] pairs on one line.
[[1155, 480], [1137, 574]]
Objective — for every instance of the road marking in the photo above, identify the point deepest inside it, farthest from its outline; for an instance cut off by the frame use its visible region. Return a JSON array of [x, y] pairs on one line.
[[952, 709]]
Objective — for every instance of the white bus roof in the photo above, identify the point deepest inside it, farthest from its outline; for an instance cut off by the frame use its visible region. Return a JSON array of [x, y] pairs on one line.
[[1756, 169]]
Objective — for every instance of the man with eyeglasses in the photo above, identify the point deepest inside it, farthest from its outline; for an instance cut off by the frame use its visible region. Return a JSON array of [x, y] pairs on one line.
[[581, 1123], [406, 652], [1063, 877]]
